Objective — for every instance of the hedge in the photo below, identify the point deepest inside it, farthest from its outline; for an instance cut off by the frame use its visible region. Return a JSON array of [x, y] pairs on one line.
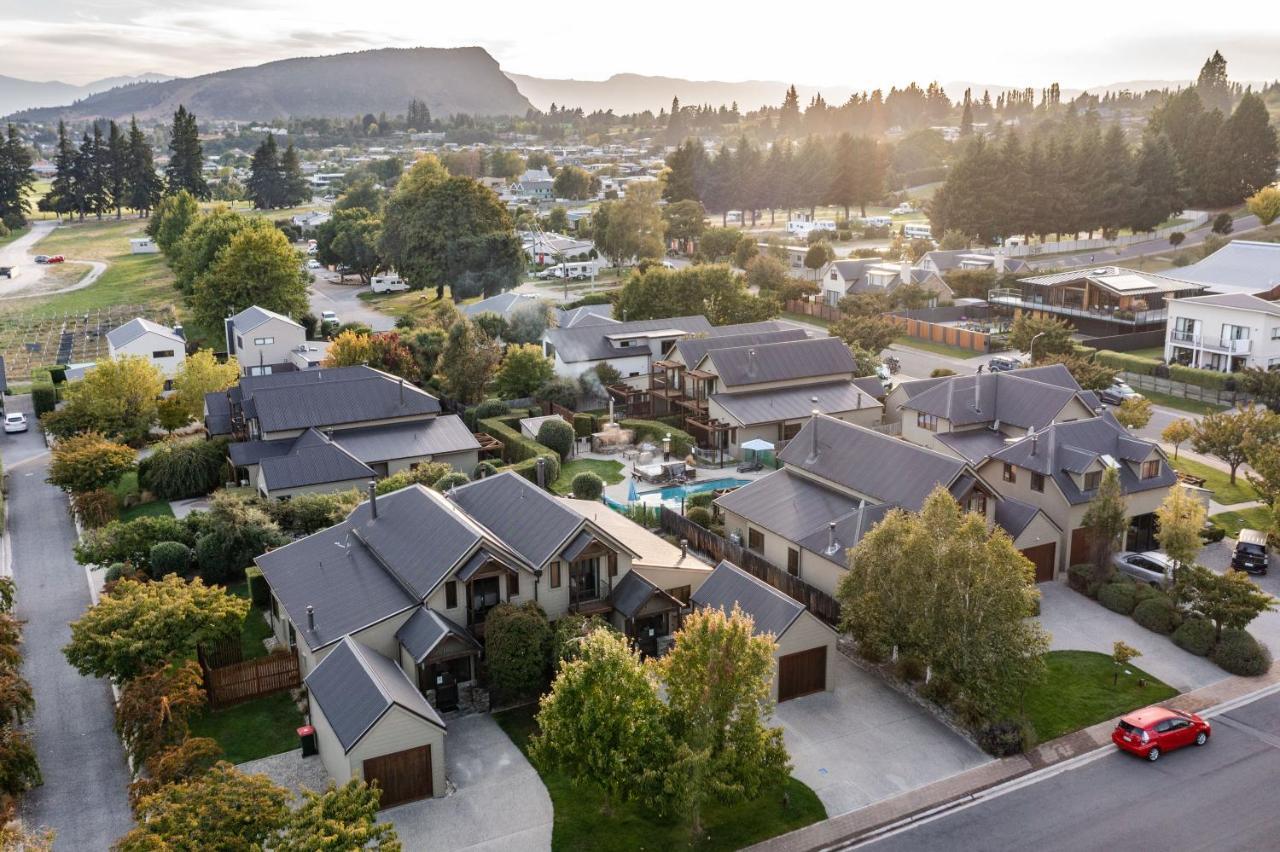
[[259, 591], [587, 486], [1240, 654], [682, 442], [521, 453], [1156, 614], [1127, 362], [584, 425], [529, 467], [44, 398], [1119, 596], [1195, 635], [1208, 379]]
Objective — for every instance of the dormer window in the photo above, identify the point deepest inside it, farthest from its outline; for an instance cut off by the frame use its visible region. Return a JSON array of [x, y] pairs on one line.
[[1092, 480], [1151, 469]]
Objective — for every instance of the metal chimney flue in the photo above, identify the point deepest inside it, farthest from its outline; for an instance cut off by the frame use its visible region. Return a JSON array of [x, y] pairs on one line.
[[831, 537], [311, 618], [373, 498]]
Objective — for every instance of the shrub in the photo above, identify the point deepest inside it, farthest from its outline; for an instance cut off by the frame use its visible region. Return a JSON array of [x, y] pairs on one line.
[[940, 372], [702, 498], [1195, 635], [560, 391], [115, 572], [682, 442], [1213, 533], [1156, 614], [699, 516], [169, 557], [1208, 379], [483, 469], [44, 398], [567, 632], [131, 541], [517, 644], [1239, 653], [557, 435], [909, 668], [96, 508], [1118, 597], [259, 591], [491, 408], [583, 425], [1079, 578], [309, 513], [529, 468], [1126, 361], [587, 486], [873, 652], [451, 480], [177, 471], [940, 690], [1003, 739], [427, 475]]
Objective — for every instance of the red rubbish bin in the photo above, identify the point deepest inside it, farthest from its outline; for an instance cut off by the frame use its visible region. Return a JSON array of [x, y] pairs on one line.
[[307, 737]]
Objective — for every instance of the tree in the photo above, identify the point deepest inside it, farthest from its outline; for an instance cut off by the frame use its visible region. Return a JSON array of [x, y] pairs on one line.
[[1106, 520], [179, 470], [528, 322], [768, 274], [363, 193], [88, 461], [349, 349], [686, 220], [19, 768], [351, 238], [719, 244], [266, 182], [1265, 204], [258, 267], [1134, 412], [1177, 238], [1223, 224], [603, 721], [233, 532], [1178, 432], [223, 808], [468, 361], [156, 708], [389, 353], [118, 398], [871, 333], [1246, 151], [143, 625], [173, 215], [635, 229], [202, 242], [575, 183], [557, 220], [817, 257], [202, 373], [16, 178], [191, 758], [338, 820], [295, 188], [1229, 600], [1121, 654], [712, 290], [143, 187], [130, 541], [1265, 476], [517, 640], [717, 679], [523, 370], [1090, 375], [1181, 519], [1055, 336], [62, 193], [587, 486], [1262, 385], [185, 170], [1157, 184], [1229, 435], [557, 435]]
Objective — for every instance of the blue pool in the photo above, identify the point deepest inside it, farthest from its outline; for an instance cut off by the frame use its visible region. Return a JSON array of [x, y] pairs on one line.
[[674, 493]]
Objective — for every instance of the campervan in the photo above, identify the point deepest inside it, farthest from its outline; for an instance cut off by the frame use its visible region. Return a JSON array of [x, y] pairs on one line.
[[389, 283], [877, 221], [917, 231]]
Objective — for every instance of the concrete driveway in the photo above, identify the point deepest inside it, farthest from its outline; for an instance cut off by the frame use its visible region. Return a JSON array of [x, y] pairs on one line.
[[1266, 627], [1080, 624], [863, 742], [327, 294]]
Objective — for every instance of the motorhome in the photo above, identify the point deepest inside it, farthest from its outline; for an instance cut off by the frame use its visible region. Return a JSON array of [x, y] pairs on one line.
[[574, 271], [917, 231], [877, 221], [390, 283], [802, 224]]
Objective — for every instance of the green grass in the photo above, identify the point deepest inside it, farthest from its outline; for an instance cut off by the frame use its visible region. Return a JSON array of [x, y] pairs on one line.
[[805, 318], [609, 471], [1193, 406], [1156, 352], [582, 824], [255, 629], [258, 728], [156, 508], [1257, 518], [1218, 481], [937, 348], [1077, 692], [12, 235]]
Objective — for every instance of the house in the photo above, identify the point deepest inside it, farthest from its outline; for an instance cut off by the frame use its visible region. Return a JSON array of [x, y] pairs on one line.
[[584, 315], [794, 259], [628, 347], [1241, 266], [806, 648], [1101, 301], [310, 221], [842, 278], [536, 184], [261, 340], [544, 249], [1226, 332], [333, 429], [942, 261], [164, 347], [143, 245]]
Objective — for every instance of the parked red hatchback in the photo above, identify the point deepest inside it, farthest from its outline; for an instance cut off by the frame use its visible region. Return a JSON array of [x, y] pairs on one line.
[[57, 258], [1152, 731]]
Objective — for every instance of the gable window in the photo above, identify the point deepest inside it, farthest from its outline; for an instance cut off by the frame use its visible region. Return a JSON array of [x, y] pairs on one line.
[[1092, 480], [263, 341], [835, 276], [927, 421], [793, 562], [1010, 475], [1037, 482], [1151, 469], [450, 595], [513, 586], [755, 540], [555, 575], [162, 353], [978, 503]]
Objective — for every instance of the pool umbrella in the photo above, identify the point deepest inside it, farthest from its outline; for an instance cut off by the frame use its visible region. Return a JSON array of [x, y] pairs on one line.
[[632, 495]]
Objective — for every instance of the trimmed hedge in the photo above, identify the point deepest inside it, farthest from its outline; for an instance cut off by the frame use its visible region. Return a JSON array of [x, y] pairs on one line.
[[44, 398], [259, 591], [529, 467], [558, 435], [1079, 578], [1119, 596], [700, 516], [1126, 361], [169, 557], [1239, 653], [682, 443], [515, 446], [1157, 614], [483, 469], [583, 425], [1195, 635], [1208, 379], [587, 486]]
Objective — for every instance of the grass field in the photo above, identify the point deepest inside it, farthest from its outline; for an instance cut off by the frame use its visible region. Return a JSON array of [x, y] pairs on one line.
[[1257, 518], [1156, 352], [582, 821], [609, 471], [1217, 481], [1193, 406], [11, 236], [937, 348], [1077, 692]]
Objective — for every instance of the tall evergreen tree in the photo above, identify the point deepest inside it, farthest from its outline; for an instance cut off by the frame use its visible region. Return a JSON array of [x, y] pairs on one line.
[[186, 157], [687, 172], [293, 183], [266, 187], [1117, 194], [1246, 152], [1212, 85], [144, 186], [117, 167], [16, 179], [62, 194], [1158, 185], [789, 116]]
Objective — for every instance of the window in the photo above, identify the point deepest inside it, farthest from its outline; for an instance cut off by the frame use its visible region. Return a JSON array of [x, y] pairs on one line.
[[793, 562], [1275, 333], [1037, 482], [1151, 469], [555, 575], [755, 540], [613, 564], [450, 595], [927, 421], [978, 503], [239, 342], [1092, 480], [681, 593], [790, 430], [513, 585], [1009, 474], [263, 341], [293, 636], [835, 276], [162, 353], [275, 607]]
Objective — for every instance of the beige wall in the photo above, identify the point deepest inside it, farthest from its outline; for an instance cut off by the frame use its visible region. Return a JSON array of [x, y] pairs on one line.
[[396, 731], [264, 487], [287, 336], [923, 437], [673, 578], [331, 754], [772, 432], [821, 573], [807, 632], [463, 462]]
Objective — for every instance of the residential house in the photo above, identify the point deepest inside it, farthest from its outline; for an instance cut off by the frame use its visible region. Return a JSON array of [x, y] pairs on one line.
[[843, 278], [1241, 266], [1225, 332], [943, 261], [585, 315], [261, 340], [628, 347], [164, 347], [333, 429], [546, 249], [536, 184], [794, 259], [503, 304], [1101, 301]]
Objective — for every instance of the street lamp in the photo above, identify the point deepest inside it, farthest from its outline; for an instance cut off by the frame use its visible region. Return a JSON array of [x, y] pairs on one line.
[[1031, 349], [666, 448]]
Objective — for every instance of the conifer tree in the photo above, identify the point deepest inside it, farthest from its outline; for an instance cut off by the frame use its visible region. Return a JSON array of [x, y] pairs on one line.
[[144, 186], [186, 157], [265, 185], [294, 187], [16, 179]]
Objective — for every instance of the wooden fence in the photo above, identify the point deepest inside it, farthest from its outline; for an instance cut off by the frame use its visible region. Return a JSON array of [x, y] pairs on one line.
[[249, 679], [817, 602], [974, 341], [1186, 390]]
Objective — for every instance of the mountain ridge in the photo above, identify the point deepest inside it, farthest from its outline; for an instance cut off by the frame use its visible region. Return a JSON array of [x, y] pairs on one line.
[[19, 94]]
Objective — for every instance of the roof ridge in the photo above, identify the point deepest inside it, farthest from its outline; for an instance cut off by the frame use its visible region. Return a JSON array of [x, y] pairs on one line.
[[773, 590]]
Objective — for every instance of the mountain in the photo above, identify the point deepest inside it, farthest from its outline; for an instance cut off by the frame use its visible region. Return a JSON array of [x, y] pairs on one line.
[[18, 94], [449, 81], [628, 93]]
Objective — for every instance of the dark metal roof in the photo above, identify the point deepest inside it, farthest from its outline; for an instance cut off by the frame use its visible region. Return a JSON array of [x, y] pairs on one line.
[[787, 504], [794, 403], [633, 591], [426, 629], [218, 420], [588, 343], [528, 519], [245, 453], [773, 611], [585, 316], [354, 687], [850, 529], [580, 543], [1014, 515], [335, 397], [125, 334], [313, 460], [781, 362], [1029, 398], [434, 437], [254, 316], [693, 349], [871, 386], [973, 445]]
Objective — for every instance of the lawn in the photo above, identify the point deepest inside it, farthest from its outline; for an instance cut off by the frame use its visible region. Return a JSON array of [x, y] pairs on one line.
[[609, 471], [1218, 481], [1192, 406], [128, 485], [1077, 692], [258, 728], [937, 348], [255, 630], [805, 318], [582, 824], [11, 236], [1257, 518], [1156, 352]]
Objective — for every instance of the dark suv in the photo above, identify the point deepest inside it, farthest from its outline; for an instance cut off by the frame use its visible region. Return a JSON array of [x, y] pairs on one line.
[[1251, 552]]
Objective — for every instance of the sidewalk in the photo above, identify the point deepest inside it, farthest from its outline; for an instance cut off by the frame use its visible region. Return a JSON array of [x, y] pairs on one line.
[[965, 785]]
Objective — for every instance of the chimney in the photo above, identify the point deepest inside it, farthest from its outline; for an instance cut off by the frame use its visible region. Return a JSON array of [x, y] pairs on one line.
[[751, 363], [177, 329], [859, 405], [862, 511], [311, 618], [542, 472], [402, 390], [373, 498], [832, 544], [904, 270], [1035, 442], [813, 429], [977, 394], [999, 261], [684, 547]]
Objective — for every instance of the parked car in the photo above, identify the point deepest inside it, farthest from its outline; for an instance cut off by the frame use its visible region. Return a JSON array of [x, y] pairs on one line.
[[1152, 731], [55, 258], [1118, 393], [15, 421], [41, 258], [1251, 552], [313, 264], [329, 316], [1003, 363], [1152, 567]]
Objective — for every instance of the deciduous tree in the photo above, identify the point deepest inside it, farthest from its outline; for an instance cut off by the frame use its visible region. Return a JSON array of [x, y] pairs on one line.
[[1181, 519], [1178, 432], [173, 215], [257, 267], [1054, 339], [119, 398], [1134, 412], [202, 373], [349, 349], [1229, 435], [872, 333], [156, 708], [468, 361], [1228, 600], [635, 230], [523, 370], [1121, 654], [1106, 519], [338, 820], [1265, 204], [89, 461]]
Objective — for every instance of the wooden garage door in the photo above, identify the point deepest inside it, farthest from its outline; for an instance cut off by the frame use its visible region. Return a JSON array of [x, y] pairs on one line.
[[1043, 557], [1081, 546], [802, 673], [402, 776]]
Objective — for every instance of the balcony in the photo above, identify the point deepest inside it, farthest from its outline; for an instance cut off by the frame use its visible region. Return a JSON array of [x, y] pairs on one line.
[[1238, 346], [1016, 299]]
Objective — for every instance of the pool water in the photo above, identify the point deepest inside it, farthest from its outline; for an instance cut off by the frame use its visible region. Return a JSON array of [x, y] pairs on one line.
[[674, 493]]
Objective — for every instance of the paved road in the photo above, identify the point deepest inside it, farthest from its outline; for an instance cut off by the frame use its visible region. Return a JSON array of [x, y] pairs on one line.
[[1108, 256], [84, 795], [1220, 797], [344, 300]]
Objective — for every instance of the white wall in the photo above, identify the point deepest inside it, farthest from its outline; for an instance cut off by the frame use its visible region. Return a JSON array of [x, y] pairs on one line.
[[285, 337], [151, 342], [1264, 350]]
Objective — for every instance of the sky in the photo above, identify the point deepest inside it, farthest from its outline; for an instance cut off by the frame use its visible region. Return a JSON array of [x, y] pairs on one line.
[[850, 44]]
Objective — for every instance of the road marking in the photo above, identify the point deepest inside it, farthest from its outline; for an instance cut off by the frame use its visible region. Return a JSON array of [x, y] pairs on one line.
[[1270, 739]]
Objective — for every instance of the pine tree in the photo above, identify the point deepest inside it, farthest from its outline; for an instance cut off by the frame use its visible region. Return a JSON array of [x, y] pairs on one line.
[[1246, 151], [789, 116], [1212, 85], [1158, 185], [966, 116], [16, 179], [144, 186], [1115, 171], [62, 194], [294, 185], [265, 187], [186, 157], [117, 167]]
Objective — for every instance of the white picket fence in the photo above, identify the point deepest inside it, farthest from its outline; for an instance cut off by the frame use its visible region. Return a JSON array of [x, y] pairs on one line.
[[1194, 219]]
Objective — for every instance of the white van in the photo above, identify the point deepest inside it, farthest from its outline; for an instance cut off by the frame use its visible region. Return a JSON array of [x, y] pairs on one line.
[[878, 221], [390, 283], [574, 271], [917, 231]]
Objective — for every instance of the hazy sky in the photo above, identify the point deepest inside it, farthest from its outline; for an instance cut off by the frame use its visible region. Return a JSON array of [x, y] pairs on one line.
[[877, 43]]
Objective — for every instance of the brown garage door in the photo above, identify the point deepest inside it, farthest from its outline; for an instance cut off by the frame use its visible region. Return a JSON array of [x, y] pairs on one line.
[[402, 776], [1081, 546], [1043, 557], [802, 673]]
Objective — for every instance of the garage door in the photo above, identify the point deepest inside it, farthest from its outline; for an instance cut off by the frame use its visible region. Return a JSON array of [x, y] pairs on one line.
[[1081, 546], [1042, 556], [802, 673], [402, 776]]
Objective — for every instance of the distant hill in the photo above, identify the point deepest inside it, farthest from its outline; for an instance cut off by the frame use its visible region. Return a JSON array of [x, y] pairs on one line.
[[628, 93], [16, 94], [449, 81]]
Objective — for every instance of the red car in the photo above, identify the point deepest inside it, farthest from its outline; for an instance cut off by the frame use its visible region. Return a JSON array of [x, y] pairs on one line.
[[1152, 731], [57, 258]]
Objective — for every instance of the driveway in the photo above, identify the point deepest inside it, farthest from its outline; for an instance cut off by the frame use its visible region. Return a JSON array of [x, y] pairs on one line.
[[1080, 624], [1266, 627], [344, 300], [863, 742]]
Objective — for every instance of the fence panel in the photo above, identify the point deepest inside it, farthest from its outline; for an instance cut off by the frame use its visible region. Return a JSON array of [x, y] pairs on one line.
[[249, 679]]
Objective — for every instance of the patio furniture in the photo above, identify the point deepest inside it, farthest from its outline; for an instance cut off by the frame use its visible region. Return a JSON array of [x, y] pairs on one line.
[[650, 472]]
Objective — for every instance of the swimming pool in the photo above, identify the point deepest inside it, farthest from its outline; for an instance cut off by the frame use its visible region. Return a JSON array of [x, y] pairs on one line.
[[674, 493]]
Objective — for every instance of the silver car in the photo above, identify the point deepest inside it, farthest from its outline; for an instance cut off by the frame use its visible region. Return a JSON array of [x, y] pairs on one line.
[[1152, 567]]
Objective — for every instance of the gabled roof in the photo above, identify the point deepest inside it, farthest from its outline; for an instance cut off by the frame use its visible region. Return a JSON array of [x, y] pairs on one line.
[[633, 591], [532, 521], [252, 317], [787, 504], [501, 304], [297, 400], [973, 445], [426, 629], [781, 362], [589, 343], [692, 349], [434, 437], [794, 403], [125, 334], [1237, 301], [312, 460], [849, 530], [585, 316], [355, 687], [1241, 266], [728, 585], [1025, 398], [1014, 516]]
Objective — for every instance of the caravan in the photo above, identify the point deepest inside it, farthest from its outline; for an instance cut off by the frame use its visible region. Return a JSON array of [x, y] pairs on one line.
[[917, 231], [574, 271], [388, 283]]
